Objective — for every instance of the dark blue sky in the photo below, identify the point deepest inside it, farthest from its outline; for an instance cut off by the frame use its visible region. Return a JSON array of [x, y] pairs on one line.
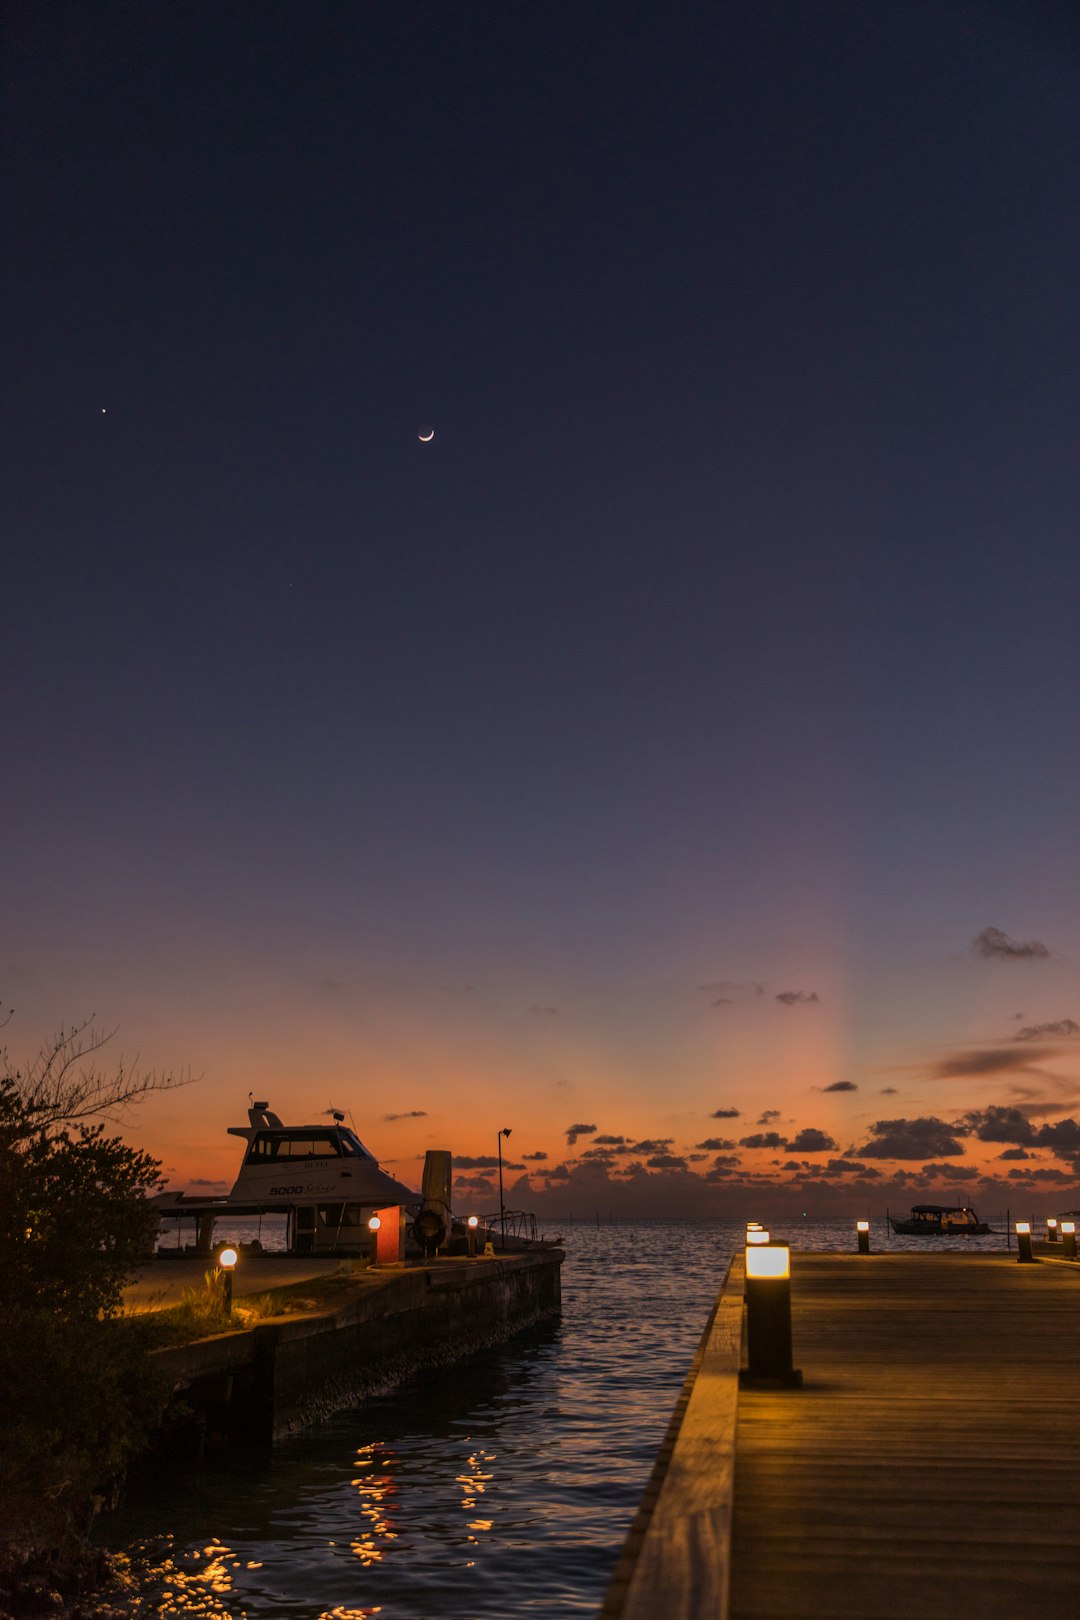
[[726, 629]]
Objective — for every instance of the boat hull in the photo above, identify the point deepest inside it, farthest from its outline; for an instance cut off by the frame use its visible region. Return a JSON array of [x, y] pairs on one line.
[[932, 1229]]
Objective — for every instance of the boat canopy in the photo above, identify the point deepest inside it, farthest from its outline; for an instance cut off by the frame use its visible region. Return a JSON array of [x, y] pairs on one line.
[[941, 1209]]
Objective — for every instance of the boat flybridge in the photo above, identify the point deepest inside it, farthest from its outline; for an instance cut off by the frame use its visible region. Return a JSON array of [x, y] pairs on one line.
[[321, 1177]]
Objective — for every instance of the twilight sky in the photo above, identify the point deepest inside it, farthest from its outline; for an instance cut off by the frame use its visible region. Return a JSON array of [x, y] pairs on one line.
[[692, 726]]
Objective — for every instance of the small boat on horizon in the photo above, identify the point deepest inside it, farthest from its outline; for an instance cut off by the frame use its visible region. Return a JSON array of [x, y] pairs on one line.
[[940, 1220]]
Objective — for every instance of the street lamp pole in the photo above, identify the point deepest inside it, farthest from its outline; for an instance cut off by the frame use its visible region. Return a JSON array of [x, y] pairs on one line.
[[502, 1207]]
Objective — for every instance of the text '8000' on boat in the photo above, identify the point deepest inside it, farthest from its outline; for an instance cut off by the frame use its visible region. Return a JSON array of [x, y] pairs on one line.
[[321, 1177]]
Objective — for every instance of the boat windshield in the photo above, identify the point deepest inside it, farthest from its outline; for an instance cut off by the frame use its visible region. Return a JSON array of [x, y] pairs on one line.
[[272, 1146], [351, 1144]]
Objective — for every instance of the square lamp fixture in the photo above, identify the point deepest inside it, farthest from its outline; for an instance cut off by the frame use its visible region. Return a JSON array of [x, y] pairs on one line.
[[768, 1262]]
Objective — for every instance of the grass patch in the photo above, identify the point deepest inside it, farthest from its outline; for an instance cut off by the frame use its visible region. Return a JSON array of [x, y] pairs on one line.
[[201, 1311]]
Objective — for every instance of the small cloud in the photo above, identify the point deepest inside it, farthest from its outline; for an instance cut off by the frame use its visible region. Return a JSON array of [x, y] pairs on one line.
[[991, 1060], [653, 1145], [666, 1161], [763, 1139], [715, 1144], [1015, 1153], [792, 998], [911, 1139], [841, 1085], [537, 1156], [810, 1141], [544, 1011], [949, 1172], [725, 1113], [770, 1113], [1064, 1027], [1064, 1137], [995, 944], [574, 1131], [473, 1184], [997, 1124], [887, 1091], [845, 1167], [558, 1173], [413, 1113], [481, 1161], [609, 1141], [723, 1001]]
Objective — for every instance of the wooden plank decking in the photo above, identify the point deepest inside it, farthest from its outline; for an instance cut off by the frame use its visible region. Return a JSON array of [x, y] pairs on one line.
[[929, 1469]]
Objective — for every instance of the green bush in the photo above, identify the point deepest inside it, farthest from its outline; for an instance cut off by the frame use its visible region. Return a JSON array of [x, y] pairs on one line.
[[77, 1390]]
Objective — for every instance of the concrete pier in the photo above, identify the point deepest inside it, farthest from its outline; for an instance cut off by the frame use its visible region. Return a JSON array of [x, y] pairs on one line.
[[258, 1383], [929, 1467]]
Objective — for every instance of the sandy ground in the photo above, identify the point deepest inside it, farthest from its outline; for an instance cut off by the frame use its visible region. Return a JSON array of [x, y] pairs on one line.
[[163, 1281]]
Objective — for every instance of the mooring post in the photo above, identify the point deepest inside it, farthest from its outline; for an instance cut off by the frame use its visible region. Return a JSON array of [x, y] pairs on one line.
[[1023, 1243], [1068, 1240], [863, 1229], [768, 1318]]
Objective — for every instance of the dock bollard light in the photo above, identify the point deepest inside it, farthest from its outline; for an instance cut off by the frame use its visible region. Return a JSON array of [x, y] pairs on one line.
[[472, 1223], [374, 1226], [768, 1319], [863, 1229], [227, 1261], [1068, 1240], [757, 1236], [1023, 1243], [1051, 1229]]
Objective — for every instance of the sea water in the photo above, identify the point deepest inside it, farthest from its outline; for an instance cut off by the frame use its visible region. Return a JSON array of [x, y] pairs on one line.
[[500, 1486]]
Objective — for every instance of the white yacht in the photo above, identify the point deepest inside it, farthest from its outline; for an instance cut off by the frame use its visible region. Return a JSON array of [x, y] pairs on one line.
[[321, 1176]]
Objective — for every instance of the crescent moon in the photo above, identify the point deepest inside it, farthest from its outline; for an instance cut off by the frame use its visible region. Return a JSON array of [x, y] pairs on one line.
[[426, 438]]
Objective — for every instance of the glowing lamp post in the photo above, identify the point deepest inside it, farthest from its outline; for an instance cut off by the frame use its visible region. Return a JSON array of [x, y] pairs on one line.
[[1068, 1240], [1023, 1243], [863, 1229], [374, 1226], [227, 1262], [768, 1318], [472, 1223], [502, 1207], [1051, 1230]]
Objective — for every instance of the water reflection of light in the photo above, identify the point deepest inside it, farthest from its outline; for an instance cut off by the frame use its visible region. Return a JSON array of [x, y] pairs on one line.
[[377, 1491], [473, 1483], [193, 1581]]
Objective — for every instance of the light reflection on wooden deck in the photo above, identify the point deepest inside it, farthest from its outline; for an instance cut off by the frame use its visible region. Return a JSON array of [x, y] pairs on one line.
[[928, 1470]]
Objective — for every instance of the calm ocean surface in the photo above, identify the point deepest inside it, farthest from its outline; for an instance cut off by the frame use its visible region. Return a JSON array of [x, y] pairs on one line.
[[502, 1486]]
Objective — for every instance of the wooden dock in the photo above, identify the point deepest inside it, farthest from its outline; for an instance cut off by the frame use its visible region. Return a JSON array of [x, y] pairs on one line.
[[929, 1469]]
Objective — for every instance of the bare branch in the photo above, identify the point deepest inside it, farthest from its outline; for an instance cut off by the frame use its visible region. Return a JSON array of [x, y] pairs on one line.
[[64, 1083]]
